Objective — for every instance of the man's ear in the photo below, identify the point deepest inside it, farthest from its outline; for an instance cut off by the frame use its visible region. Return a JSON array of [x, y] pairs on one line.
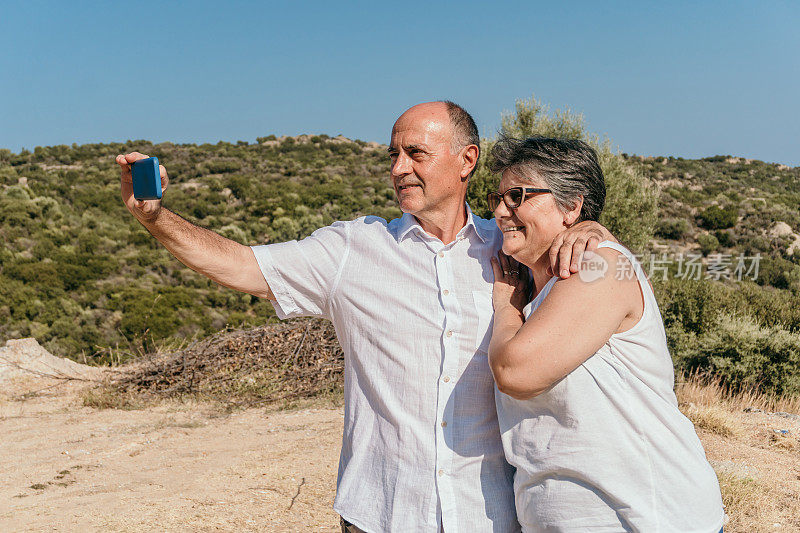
[[573, 214], [470, 159]]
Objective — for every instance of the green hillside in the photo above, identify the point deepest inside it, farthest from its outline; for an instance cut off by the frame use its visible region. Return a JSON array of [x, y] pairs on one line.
[[82, 276], [78, 272], [730, 205]]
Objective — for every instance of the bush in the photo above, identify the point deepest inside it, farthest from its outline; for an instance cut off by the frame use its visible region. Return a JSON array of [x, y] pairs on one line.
[[672, 228], [725, 238], [240, 186], [691, 304], [219, 166], [747, 355], [770, 306], [745, 335], [708, 244], [234, 233], [284, 229], [715, 217], [779, 272], [39, 273], [77, 270], [630, 210]]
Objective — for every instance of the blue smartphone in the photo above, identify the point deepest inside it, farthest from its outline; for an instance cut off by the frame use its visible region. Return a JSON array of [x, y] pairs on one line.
[[146, 179]]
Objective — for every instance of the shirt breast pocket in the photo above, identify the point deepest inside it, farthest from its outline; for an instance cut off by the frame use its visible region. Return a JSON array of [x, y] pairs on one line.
[[482, 300]]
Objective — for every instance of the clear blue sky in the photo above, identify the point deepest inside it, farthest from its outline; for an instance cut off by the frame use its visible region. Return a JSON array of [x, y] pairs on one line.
[[687, 79]]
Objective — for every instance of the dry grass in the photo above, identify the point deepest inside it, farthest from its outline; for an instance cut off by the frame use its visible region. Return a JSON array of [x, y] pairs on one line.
[[758, 486], [755, 506], [105, 397], [746, 501], [739, 491], [714, 418], [704, 390]]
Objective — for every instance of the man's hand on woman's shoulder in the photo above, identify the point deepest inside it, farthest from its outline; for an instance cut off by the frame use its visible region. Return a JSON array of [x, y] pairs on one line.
[[569, 245]]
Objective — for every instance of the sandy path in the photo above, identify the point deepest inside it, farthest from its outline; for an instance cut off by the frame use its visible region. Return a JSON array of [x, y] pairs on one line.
[[185, 467], [65, 467]]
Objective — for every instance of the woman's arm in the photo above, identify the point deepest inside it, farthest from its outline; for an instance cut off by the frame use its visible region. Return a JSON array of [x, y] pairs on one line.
[[510, 295], [578, 316]]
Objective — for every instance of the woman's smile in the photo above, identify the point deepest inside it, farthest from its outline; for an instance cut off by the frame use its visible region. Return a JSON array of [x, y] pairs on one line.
[[513, 228]]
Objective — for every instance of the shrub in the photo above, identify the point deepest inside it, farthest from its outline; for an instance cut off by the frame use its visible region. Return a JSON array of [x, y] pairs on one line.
[[220, 166], [630, 210], [708, 244], [39, 273], [234, 233], [240, 186], [284, 229], [691, 304], [747, 355], [715, 217], [779, 273], [71, 253], [672, 228], [725, 238]]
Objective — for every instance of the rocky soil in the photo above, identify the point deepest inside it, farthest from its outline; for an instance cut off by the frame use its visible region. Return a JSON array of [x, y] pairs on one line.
[[184, 466]]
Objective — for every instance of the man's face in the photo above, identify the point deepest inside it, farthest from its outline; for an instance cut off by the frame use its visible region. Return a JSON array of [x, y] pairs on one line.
[[425, 173]]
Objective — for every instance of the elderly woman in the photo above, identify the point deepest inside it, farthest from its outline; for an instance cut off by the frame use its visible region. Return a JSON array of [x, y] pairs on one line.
[[585, 396]]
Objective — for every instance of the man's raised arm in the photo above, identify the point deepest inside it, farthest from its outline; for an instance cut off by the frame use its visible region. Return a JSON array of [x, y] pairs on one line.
[[224, 261]]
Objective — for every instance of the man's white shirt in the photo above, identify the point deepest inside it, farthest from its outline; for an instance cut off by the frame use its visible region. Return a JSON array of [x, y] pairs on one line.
[[421, 444]]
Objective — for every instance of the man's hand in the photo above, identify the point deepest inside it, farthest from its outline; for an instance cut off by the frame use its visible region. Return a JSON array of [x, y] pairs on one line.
[[144, 210], [569, 246], [224, 261]]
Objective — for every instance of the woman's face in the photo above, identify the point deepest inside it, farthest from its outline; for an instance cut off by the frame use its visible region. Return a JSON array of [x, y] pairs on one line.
[[529, 229]]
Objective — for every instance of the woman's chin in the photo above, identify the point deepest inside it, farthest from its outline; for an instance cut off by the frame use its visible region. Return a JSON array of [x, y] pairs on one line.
[[511, 248], [524, 252]]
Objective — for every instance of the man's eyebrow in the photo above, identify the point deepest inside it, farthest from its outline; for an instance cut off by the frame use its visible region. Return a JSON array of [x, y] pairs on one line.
[[409, 148], [419, 147]]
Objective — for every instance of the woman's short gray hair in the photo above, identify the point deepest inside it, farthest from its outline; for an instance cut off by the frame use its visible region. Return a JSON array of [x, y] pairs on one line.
[[568, 167]]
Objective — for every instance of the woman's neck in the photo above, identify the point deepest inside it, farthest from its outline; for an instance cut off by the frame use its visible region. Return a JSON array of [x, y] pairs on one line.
[[538, 266], [540, 275]]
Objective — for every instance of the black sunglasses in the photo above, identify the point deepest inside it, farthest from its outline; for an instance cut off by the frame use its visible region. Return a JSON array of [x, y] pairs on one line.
[[513, 197]]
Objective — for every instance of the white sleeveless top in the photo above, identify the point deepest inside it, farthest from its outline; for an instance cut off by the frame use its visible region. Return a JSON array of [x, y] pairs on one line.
[[606, 448]]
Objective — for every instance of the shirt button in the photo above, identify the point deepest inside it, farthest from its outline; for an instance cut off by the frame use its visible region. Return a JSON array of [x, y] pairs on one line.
[[446, 379], [441, 254], [445, 292], [449, 332], [444, 423], [441, 472]]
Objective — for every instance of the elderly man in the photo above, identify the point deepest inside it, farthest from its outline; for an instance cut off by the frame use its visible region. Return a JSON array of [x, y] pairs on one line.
[[411, 303]]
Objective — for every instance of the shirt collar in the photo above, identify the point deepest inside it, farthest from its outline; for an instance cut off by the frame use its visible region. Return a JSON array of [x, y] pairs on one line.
[[409, 223]]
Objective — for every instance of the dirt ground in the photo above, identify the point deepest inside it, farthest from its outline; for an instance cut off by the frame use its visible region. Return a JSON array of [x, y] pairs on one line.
[[190, 467], [759, 472], [176, 467]]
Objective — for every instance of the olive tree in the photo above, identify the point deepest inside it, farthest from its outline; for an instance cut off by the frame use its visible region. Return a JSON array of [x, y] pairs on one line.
[[630, 210]]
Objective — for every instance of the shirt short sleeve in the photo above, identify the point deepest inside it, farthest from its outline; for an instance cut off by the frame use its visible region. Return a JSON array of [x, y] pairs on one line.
[[302, 275]]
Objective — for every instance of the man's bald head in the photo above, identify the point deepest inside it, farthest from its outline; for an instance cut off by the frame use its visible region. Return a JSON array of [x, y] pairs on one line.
[[463, 130]]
